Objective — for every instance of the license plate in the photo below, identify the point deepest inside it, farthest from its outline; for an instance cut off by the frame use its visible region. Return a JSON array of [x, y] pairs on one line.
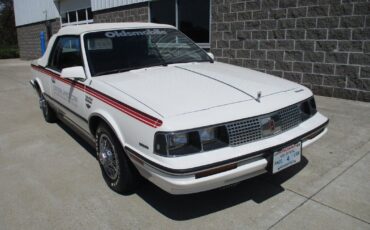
[[286, 157]]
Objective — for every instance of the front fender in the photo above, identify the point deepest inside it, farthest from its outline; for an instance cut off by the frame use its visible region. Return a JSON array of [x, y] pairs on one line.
[[37, 85], [111, 122]]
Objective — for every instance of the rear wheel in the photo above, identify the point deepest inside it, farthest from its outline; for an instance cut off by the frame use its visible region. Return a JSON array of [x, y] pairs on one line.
[[47, 111], [118, 171]]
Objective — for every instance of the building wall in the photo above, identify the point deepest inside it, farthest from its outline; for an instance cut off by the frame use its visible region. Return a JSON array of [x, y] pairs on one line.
[[27, 12], [323, 44], [29, 38], [130, 13]]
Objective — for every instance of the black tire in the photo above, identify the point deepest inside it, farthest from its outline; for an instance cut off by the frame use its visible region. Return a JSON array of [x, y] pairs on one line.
[[48, 112], [127, 177]]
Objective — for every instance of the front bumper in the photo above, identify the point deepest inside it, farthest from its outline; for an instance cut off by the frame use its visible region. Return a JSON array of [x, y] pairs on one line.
[[219, 174]]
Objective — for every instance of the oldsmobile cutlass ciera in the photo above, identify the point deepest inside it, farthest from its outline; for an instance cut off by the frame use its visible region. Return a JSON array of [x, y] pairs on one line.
[[158, 106]]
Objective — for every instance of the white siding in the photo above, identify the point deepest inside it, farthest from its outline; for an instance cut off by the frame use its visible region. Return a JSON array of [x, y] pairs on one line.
[[27, 11], [105, 4]]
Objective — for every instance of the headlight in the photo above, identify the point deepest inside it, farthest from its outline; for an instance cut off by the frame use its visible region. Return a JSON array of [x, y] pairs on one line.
[[188, 142], [178, 140], [307, 108], [207, 135], [180, 143], [312, 105]]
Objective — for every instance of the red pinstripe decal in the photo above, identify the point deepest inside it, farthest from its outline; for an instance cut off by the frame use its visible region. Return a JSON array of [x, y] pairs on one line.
[[132, 112], [123, 109]]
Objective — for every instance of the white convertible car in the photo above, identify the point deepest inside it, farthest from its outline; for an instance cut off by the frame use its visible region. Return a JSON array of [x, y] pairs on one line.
[[157, 105]]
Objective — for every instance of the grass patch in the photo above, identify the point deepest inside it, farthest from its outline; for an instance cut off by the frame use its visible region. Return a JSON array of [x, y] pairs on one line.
[[9, 52]]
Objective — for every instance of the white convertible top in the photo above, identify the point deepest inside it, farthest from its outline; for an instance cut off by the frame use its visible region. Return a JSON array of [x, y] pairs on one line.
[[80, 29]]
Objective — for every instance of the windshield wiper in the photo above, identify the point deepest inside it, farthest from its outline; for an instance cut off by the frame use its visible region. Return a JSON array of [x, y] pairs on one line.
[[182, 62], [127, 69], [115, 71], [163, 62]]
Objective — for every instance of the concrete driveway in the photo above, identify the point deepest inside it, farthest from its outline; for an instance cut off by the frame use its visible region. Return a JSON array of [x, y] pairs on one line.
[[49, 178]]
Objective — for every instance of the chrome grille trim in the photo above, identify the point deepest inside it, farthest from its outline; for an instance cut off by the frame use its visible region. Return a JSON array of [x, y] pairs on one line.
[[290, 117], [249, 130], [244, 131]]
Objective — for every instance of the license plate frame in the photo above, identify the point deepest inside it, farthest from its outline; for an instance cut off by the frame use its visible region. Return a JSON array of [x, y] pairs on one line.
[[286, 156]]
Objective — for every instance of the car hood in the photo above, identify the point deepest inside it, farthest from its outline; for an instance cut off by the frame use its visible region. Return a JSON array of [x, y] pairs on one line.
[[185, 88]]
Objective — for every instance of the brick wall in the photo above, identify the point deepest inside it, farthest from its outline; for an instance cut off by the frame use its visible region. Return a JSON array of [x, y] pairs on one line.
[[29, 38], [131, 13], [323, 44]]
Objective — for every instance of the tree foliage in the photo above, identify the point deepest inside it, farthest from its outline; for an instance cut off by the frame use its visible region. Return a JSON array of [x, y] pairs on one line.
[[8, 35]]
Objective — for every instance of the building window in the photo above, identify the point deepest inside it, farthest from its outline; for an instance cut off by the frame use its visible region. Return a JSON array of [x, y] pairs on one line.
[[63, 18], [89, 14], [192, 17], [82, 16], [163, 11], [72, 17]]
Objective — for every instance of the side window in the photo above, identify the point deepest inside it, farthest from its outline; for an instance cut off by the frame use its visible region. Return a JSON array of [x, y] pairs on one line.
[[66, 53]]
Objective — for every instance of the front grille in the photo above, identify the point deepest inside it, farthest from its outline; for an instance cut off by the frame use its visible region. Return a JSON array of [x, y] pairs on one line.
[[249, 130], [290, 117], [244, 131]]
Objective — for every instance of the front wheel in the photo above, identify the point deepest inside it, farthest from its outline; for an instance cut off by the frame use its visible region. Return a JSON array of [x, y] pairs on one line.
[[118, 171]]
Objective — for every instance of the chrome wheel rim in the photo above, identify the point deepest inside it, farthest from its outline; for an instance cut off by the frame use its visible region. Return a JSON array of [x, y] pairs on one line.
[[108, 157]]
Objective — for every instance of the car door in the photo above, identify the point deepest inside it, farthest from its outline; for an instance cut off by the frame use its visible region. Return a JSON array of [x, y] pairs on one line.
[[67, 94]]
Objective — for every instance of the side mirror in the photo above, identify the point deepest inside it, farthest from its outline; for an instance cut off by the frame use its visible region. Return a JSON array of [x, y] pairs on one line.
[[211, 56], [73, 73]]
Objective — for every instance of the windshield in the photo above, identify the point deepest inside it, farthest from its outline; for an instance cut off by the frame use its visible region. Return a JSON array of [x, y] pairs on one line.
[[122, 50]]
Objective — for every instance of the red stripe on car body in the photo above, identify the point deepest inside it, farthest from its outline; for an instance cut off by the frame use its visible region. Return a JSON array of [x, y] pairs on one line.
[[132, 112], [124, 109]]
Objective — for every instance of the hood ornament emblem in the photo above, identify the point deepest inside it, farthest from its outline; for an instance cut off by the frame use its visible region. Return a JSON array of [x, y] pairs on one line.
[[259, 94]]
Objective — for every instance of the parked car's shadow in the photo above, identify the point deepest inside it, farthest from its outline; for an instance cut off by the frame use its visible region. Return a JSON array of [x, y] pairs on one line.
[[184, 207], [84, 143]]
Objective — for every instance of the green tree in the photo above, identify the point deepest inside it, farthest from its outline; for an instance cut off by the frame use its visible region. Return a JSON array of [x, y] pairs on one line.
[[8, 34]]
